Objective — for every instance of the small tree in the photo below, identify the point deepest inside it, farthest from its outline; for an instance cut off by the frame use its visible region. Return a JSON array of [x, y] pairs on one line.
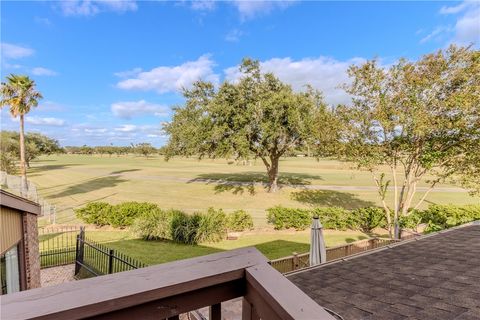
[[421, 120], [259, 116], [144, 149]]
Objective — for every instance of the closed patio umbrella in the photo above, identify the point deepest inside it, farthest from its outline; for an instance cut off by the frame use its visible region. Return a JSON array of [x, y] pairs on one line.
[[318, 252]]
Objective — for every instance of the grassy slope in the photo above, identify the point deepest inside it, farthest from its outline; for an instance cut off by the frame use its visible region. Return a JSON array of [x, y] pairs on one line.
[[71, 181]]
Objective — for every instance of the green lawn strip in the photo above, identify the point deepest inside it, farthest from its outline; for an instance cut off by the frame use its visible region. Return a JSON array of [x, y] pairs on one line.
[[273, 245]]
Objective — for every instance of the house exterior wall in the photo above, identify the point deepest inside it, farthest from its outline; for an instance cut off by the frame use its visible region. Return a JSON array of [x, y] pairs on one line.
[[10, 228], [18, 226], [31, 251]]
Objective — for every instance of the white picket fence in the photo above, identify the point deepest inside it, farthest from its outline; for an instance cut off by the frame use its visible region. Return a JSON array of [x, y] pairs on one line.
[[13, 184]]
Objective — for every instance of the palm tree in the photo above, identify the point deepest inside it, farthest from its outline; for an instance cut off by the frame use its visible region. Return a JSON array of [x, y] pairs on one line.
[[20, 94]]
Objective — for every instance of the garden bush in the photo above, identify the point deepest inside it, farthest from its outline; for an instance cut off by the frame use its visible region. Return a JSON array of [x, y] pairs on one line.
[[123, 214], [181, 227], [285, 218], [210, 226], [367, 219], [184, 227], [97, 213], [436, 217], [154, 225], [239, 220], [439, 217], [335, 218]]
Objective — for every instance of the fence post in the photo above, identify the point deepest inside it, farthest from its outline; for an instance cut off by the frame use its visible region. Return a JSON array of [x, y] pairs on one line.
[[111, 253], [295, 261], [79, 249]]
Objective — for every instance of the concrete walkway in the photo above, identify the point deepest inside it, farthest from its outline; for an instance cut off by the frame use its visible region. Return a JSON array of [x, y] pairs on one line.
[[56, 275]]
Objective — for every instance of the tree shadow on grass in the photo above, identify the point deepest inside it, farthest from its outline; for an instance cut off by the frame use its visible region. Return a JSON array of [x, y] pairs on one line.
[[123, 171], [35, 171], [350, 240], [90, 185], [330, 198], [241, 182]]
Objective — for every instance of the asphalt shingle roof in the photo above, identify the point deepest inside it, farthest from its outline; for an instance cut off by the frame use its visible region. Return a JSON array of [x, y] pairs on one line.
[[434, 277]]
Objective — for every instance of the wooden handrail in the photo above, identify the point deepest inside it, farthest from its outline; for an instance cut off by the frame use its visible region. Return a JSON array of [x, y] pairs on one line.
[[166, 290]]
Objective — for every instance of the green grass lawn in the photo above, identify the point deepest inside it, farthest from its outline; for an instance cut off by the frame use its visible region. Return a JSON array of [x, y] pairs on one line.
[[71, 181], [272, 244]]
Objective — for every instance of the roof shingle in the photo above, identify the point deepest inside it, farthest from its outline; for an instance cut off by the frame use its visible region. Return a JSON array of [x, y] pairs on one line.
[[433, 277]]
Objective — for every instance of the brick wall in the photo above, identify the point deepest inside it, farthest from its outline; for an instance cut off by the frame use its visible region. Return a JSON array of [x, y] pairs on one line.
[[32, 256]]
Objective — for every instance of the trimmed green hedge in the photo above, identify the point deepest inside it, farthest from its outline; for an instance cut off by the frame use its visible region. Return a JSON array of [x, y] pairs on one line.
[[97, 213], [365, 219], [286, 218], [439, 217], [120, 215]]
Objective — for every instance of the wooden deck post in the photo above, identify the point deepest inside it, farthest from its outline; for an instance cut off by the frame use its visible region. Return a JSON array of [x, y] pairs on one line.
[[295, 261], [215, 312]]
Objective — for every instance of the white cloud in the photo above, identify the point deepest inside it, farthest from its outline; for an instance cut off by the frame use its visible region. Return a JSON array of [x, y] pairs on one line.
[[323, 73], [12, 51], [203, 5], [170, 79], [234, 35], [93, 7], [455, 9], [467, 26], [128, 73], [127, 128], [129, 109], [50, 106], [96, 130], [54, 122], [435, 34], [251, 9], [39, 71]]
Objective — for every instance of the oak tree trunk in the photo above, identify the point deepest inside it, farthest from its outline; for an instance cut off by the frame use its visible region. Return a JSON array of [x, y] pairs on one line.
[[273, 175]]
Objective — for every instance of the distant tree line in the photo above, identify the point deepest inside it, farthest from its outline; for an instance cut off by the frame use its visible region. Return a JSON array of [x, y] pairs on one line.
[[143, 149]]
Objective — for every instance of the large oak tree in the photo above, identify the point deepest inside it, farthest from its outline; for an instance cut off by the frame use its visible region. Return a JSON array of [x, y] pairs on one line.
[[257, 116]]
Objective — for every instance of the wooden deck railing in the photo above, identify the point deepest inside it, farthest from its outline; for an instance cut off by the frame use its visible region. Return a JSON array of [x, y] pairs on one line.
[[165, 291], [299, 261]]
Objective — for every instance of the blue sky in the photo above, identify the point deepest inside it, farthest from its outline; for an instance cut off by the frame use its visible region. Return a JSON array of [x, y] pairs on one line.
[[111, 71]]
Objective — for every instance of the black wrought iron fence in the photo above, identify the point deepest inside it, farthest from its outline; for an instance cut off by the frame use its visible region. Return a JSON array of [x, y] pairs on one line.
[[57, 245], [94, 259]]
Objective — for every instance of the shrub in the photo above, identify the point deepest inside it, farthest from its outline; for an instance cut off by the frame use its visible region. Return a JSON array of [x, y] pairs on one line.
[[439, 217], [239, 220], [123, 214], [154, 224], [285, 218], [184, 228], [211, 226], [95, 213], [335, 218], [411, 221], [369, 218]]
